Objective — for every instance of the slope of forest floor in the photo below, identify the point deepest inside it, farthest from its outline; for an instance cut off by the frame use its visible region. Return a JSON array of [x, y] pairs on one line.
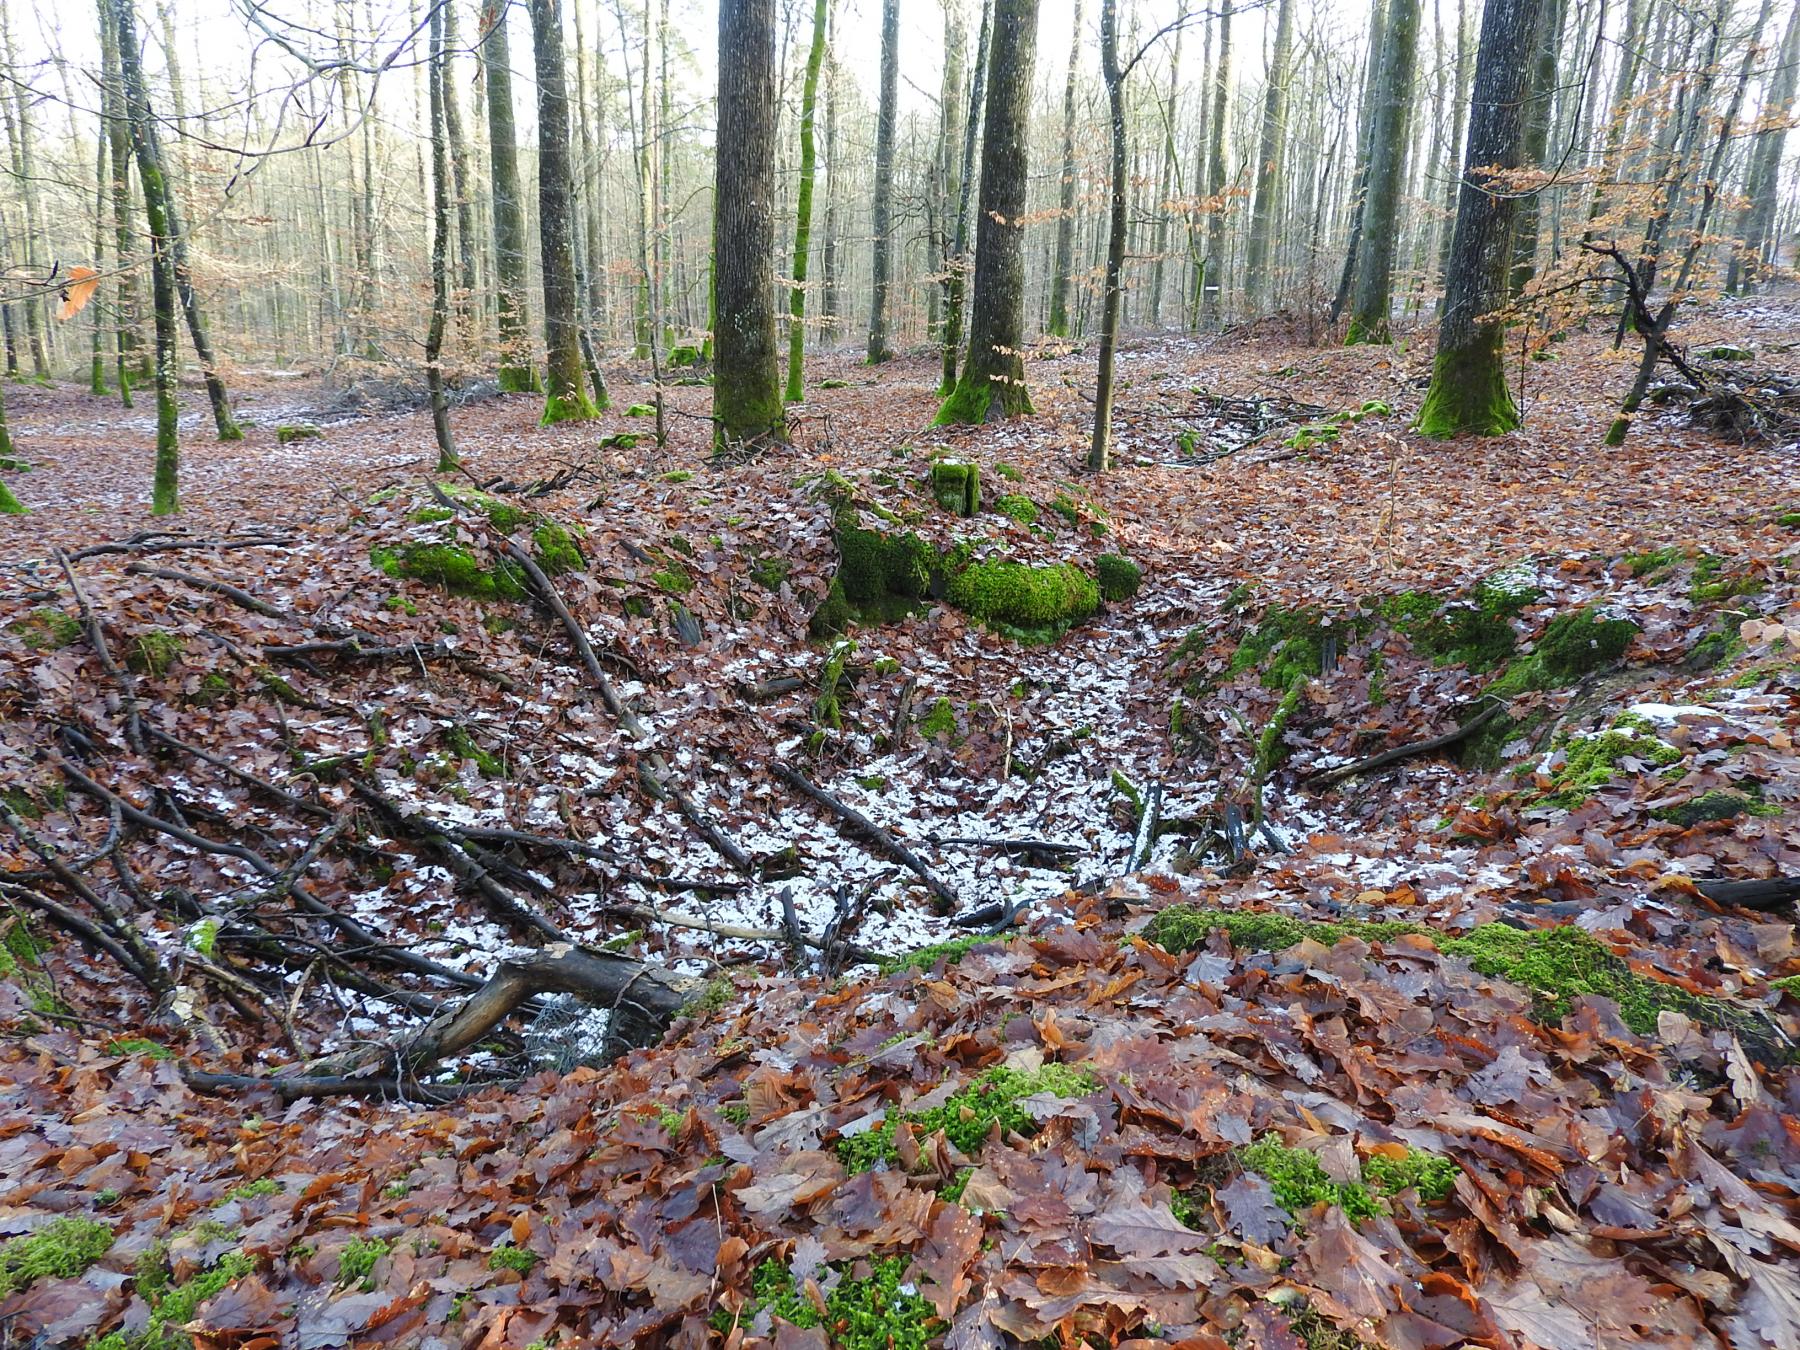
[[1487, 1043]]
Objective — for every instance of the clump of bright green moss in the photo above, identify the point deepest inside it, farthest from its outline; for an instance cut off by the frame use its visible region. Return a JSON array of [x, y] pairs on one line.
[[1287, 644], [926, 958], [1301, 1184], [288, 432], [557, 551], [956, 487], [968, 1117], [155, 652], [1014, 506], [1719, 804], [1053, 596], [1589, 761], [870, 1313], [1119, 576], [508, 1257], [452, 567], [60, 1249], [940, 720], [172, 1307]]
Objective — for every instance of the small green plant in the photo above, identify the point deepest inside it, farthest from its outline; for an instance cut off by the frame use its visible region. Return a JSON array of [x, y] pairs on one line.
[[926, 958], [1301, 1184], [508, 1257], [46, 629], [251, 1190], [357, 1261], [873, 1313], [940, 720], [968, 1116], [155, 652], [138, 1045], [62, 1248]]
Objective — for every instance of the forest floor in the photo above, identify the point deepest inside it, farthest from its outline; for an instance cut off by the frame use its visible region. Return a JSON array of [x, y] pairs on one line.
[[1485, 1045]]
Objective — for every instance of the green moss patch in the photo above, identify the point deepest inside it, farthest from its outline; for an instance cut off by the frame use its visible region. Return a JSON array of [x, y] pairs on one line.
[[1119, 577], [1018, 508], [60, 1249], [46, 629], [452, 567], [154, 652], [1719, 804], [926, 958], [288, 432], [1712, 581], [557, 551], [1589, 761], [872, 1312], [357, 1260], [1301, 1184], [1287, 644], [969, 1116], [173, 1306]]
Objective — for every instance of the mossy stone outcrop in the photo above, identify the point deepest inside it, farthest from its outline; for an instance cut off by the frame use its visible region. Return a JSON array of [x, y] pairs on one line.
[[956, 487], [1022, 596]]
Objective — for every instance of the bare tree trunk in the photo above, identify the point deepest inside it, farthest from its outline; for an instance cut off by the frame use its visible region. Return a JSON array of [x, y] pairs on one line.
[[747, 404], [1453, 165], [1165, 184], [959, 260], [564, 397], [1065, 219], [1387, 170], [1762, 183], [24, 165], [831, 323], [129, 341], [459, 171], [1365, 137], [518, 371], [884, 180], [1266, 203], [1537, 143], [1212, 284], [950, 133], [1468, 379], [992, 384], [440, 244]]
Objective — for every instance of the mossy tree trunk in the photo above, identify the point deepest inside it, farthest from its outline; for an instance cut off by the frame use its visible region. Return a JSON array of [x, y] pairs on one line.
[[831, 325], [164, 498], [440, 247], [747, 404], [1213, 275], [159, 203], [803, 204], [886, 115], [1267, 199], [1369, 319], [18, 102], [956, 284], [993, 377], [1065, 217], [1468, 380], [565, 399], [518, 372]]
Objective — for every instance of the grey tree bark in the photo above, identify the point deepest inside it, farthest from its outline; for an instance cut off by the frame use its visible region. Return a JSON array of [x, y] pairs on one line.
[[1065, 220], [1266, 202], [517, 373], [1369, 322], [884, 180]]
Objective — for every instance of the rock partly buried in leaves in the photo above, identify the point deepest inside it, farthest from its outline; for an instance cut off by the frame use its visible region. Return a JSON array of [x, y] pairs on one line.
[[956, 487], [1023, 596], [288, 432], [1119, 577]]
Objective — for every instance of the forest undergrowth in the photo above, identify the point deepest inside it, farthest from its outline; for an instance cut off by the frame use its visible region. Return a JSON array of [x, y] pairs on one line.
[[1307, 886]]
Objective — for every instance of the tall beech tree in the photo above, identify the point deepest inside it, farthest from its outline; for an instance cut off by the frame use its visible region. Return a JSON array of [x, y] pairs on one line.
[[517, 371], [803, 205], [992, 383], [565, 399], [747, 404], [1468, 390], [1390, 124], [164, 490], [1212, 274], [1359, 178], [886, 114], [1762, 183]]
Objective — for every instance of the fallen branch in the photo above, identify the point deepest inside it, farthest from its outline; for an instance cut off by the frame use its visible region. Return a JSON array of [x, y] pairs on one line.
[[134, 731], [874, 833], [1764, 894], [159, 541], [1331, 777], [236, 594]]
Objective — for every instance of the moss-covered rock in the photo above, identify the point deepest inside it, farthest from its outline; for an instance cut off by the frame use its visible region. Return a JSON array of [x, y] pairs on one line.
[[956, 487], [1023, 596], [1719, 804], [288, 432], [557, 551], [1118, 576]]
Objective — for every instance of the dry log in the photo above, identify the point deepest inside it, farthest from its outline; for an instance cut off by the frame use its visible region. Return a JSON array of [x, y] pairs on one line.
[[236, 594], [1331, 777]]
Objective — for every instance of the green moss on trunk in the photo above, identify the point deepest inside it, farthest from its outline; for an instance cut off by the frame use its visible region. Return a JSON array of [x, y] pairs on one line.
[[519, 380], [573, 406], [9, 504], [1468, 393]]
